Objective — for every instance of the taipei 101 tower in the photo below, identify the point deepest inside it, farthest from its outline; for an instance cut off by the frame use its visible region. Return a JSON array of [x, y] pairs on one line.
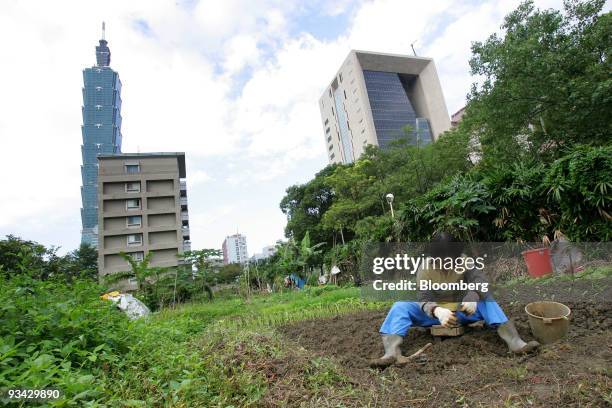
[[101, 131]]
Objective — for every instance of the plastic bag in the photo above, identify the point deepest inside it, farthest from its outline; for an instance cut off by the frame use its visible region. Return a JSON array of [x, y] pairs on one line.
[[133, 308]]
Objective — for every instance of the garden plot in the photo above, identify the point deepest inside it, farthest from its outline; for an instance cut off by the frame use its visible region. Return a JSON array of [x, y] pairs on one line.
[[475, 369]]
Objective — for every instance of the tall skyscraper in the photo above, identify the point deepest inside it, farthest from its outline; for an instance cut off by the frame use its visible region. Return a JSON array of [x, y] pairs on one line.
[[101, 131], [374, 97], [235, 249]]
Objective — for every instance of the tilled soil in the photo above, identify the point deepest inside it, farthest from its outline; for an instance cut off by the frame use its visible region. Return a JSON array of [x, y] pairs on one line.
[[475, 369]]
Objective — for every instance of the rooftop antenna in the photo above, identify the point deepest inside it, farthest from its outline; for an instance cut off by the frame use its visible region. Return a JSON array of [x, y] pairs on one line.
[[103, 30], [412, 46]]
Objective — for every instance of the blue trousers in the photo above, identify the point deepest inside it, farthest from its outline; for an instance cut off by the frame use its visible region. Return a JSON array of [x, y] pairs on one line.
[[404, 315]]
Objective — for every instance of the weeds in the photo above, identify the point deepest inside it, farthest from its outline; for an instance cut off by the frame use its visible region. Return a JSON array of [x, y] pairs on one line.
[[61, 335]]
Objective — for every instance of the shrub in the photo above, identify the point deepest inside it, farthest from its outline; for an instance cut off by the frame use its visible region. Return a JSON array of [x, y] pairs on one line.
[[58, 335]]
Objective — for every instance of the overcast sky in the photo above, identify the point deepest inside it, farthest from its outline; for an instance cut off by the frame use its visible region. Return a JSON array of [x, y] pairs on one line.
[[233, 83]]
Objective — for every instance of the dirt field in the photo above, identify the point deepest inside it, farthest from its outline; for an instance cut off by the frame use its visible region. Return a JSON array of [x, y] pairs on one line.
[[475, 369]]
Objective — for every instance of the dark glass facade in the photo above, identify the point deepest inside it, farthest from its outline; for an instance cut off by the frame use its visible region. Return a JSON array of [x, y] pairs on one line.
[[392, 110], [101, 133]]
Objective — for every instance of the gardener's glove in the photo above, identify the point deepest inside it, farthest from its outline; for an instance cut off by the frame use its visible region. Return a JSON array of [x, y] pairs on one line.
[[468, 307], [445, 316]]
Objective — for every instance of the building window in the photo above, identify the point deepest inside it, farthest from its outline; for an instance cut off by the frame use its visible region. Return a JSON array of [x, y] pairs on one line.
[[340, 77], [326, 122], [134, 240], [344, 93], [132, 168], [331, 147], [137, 256], [133, 204], [327, 130], [134, 221], [332, 156], [132, 187], [98, 107], [98, 88]]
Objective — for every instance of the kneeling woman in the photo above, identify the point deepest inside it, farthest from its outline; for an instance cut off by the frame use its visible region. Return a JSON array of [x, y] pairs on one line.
[[446, 308]]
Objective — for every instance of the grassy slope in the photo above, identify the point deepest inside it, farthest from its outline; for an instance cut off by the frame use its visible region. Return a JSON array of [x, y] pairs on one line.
[[225, 353], [187, 356], [216, 354]]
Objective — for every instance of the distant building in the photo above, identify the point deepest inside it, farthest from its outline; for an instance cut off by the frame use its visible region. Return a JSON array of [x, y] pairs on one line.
[[457, 117], [374, 96], [235, 249], [101, 131], [266, 252], [143, 209]]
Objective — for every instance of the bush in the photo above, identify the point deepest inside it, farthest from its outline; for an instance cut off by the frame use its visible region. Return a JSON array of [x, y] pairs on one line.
[[524, 201], [58, 335], [579, 185]]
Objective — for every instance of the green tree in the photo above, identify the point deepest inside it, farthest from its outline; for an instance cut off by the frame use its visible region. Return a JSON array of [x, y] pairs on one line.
[[227, 273], [202, 260], [546, 82], [31, 258], [306, 204], [83, 262], [139, 270], [18, 256]]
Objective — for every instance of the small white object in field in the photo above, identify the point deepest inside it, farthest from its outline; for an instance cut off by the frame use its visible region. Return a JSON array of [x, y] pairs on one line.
[[133, 308]]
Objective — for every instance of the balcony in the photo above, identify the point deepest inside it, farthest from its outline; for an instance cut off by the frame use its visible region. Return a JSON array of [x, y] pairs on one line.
[[186, 246], [184, 201], [184, 216], [185, 231], [183, 185]]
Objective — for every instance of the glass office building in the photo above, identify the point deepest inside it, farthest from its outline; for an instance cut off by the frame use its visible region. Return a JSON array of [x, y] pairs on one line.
[[393, 114], [345, 132], [101, 133], [376, 99]]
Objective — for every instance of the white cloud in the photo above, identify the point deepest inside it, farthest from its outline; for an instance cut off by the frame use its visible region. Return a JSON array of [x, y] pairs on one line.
[[198, 177], [241, 50]]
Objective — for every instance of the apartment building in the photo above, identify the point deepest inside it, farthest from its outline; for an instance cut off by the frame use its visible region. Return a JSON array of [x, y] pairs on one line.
[[374, 96], [235, 249], [265, 253], [142, 203]]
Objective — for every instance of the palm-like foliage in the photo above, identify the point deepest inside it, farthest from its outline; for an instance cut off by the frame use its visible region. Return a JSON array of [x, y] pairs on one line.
[[139, 270]]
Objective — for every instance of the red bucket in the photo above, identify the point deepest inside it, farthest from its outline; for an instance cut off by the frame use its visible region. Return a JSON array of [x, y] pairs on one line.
[[538, 262]]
